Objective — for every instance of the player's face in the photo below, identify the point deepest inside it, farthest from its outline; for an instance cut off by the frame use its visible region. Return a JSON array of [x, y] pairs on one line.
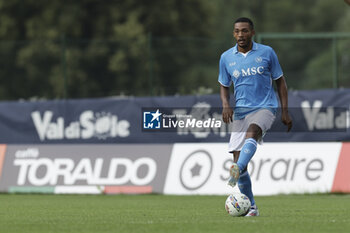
[[243, 34]]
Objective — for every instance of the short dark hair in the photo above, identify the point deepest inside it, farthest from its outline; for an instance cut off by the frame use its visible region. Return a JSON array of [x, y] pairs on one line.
[[245, 20]]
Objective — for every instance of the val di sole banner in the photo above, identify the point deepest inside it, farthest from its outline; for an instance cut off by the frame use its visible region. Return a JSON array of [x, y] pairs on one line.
[[181, 168], [317, 116]]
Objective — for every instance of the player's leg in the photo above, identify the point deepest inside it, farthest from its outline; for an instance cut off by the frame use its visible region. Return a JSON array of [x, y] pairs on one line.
[[253, 134], [245, 186], [258, 122], [242, 159], [239, 128], [244, 181]]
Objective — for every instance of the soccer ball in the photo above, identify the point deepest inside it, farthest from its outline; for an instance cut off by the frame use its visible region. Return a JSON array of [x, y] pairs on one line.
[[237, 204]]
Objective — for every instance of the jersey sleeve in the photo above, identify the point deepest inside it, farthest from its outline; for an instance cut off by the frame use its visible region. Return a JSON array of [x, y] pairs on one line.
[[275, 67], [224, 77]]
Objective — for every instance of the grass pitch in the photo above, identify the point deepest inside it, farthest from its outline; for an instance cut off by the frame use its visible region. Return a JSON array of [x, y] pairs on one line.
[[159, 213]]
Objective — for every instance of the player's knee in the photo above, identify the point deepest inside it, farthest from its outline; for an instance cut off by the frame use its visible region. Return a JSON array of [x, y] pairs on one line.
[[254, 131]]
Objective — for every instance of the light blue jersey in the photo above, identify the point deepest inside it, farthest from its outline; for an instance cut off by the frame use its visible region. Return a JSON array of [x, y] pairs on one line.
[[251, 74]]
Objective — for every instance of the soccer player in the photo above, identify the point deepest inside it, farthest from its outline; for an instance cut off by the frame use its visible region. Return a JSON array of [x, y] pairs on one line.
[[251, 67]]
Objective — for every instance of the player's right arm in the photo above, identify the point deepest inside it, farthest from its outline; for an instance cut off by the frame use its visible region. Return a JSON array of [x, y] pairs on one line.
[[227, 111], [225, 83]]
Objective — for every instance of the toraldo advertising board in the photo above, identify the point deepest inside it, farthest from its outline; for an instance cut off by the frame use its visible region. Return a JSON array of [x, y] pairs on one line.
[[180, 169], [84, 168]]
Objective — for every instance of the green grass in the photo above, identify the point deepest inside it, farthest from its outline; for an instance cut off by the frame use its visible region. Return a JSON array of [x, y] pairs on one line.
[[159, 213]]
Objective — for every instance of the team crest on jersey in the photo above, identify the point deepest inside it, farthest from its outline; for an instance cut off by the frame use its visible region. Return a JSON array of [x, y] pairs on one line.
[[258, 59], [236, 73]]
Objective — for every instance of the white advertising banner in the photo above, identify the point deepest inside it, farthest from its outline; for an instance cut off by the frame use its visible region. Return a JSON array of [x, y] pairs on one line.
[[276, 168]]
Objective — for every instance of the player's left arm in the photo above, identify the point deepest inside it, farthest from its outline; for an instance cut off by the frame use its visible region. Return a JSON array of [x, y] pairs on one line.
[[283, 95]]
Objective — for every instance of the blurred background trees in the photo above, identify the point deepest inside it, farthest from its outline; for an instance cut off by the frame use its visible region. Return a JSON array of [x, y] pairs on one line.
[[89, 48]]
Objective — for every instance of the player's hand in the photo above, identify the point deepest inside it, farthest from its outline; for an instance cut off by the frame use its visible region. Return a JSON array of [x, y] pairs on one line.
[[287, 120], [227, 114]]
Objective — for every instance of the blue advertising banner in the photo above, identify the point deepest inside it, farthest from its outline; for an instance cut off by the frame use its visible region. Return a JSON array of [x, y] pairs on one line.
[[321, 115]]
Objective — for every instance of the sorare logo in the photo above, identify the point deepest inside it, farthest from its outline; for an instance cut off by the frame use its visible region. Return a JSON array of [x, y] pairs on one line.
[[152, 119]]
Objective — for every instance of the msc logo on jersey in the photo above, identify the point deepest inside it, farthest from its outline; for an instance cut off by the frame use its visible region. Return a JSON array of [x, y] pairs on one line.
[[248, 72], [152, 120]]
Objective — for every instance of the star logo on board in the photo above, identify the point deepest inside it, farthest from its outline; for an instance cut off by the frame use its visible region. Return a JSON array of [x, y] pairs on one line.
[[196, 170]]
